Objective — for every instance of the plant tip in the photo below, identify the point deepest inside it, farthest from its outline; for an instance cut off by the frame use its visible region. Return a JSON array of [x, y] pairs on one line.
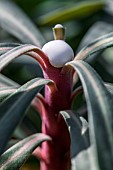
[[59, 32], [58, 26]]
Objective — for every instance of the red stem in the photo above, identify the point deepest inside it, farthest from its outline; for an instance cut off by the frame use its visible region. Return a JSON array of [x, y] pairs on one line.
[[56, 154]]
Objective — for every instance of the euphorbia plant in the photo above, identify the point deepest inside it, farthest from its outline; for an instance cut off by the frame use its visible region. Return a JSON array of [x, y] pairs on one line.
[[65, 134], [58, 65]]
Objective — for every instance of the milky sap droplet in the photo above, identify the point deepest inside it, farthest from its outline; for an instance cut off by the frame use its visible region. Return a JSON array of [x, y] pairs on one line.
[[58, 52]]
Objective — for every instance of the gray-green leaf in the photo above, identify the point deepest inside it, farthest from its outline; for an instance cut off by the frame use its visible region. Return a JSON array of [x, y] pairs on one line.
[[13, 108], [16, 156], [100, 113]]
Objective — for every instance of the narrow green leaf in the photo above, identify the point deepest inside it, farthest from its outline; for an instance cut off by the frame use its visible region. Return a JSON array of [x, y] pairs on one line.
[[13, 108], [95, 31], [97, 45], [16, 156], [73, 11], [78, 132], [30, 64], [4, 47], [18, 51], [79, 90], [5, 92], [16, 22], [100, 114]]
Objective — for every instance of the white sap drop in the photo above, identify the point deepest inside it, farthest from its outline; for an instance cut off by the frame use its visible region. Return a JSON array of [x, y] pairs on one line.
[[58, 52]]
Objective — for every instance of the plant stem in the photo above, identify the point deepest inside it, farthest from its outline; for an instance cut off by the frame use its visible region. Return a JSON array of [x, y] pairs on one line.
[[56, 154]]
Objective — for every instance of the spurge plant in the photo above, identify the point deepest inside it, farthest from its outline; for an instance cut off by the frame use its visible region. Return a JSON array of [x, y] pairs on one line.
[[65, 133]]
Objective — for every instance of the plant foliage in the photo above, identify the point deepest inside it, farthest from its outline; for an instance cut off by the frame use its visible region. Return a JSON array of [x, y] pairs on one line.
[[86, 84]]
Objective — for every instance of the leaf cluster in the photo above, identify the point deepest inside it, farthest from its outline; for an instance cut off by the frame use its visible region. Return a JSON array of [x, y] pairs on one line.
[[91, 125]]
